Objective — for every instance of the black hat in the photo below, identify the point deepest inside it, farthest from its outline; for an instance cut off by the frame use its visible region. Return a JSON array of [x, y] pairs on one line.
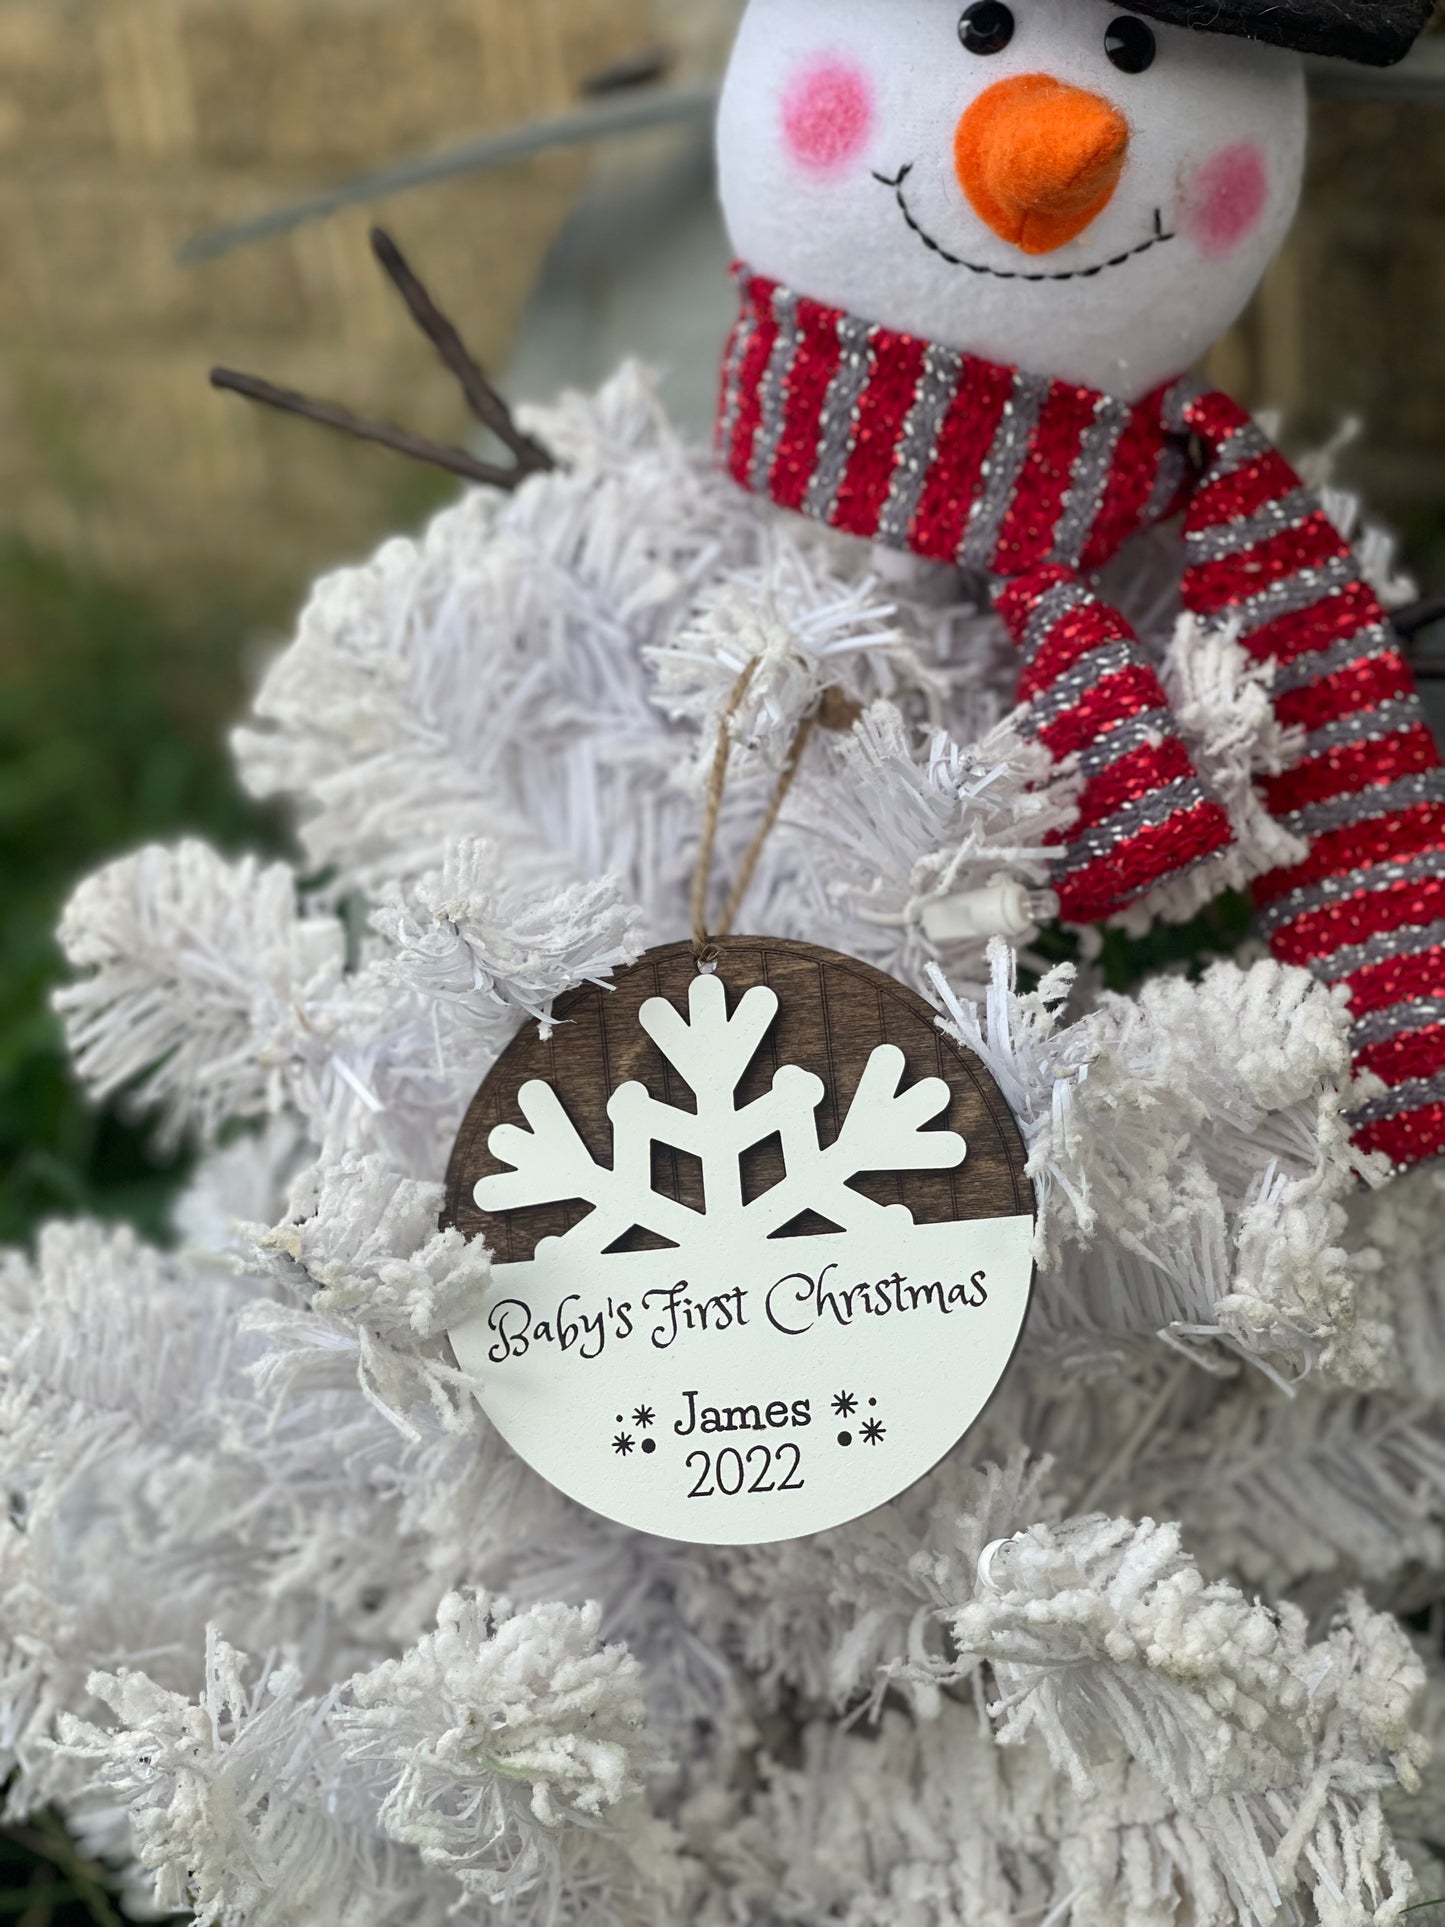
[[1377, 32]]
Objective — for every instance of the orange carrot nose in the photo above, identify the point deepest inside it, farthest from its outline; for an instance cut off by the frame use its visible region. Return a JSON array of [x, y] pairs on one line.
[[1039, 159]]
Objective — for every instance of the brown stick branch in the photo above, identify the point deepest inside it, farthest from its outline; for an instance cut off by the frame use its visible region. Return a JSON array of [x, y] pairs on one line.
[[529, 457], [456, 461], [482, 398], [1411, 623], [1419, 616]]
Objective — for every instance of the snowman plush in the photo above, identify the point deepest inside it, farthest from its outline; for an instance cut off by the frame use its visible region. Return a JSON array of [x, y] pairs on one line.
[[981, 247]]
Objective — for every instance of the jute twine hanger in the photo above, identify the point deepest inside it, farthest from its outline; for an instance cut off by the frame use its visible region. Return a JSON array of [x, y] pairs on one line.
[[834, 711]]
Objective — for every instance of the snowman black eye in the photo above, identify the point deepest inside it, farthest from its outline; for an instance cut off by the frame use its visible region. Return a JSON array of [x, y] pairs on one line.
[[987, 27], [1130, 44]]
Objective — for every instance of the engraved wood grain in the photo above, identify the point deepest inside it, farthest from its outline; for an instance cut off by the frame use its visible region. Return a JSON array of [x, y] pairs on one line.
[[834, 1013]]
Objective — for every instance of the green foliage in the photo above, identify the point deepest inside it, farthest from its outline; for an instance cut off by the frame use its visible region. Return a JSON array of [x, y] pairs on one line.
[[44, 1881], [110, 737], [1216, 932], [1125, 962]]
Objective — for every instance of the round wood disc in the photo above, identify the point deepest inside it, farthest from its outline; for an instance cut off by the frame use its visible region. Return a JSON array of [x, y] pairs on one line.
[[834, 1012]]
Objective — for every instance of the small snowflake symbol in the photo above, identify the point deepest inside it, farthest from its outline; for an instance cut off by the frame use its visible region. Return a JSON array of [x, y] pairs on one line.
[[845, 1405], [874, 1431], [643, 1416], [622, 1445]]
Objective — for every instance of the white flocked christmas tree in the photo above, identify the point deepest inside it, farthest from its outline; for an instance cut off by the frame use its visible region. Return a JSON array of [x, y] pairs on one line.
[[291, 1636]]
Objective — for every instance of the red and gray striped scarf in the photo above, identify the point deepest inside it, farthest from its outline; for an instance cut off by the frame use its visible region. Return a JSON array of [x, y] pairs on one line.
[[1036, 484]]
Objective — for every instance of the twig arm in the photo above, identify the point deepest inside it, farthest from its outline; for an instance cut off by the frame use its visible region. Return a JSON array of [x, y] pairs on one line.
[[529, 457], [482, 398], [1411, 623], [456, 461]]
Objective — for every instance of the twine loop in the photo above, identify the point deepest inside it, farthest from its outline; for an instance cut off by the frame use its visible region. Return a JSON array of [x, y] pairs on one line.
[[834, 711]]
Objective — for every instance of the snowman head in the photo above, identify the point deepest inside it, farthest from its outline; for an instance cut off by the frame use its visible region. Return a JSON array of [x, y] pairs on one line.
[[1059, 185]]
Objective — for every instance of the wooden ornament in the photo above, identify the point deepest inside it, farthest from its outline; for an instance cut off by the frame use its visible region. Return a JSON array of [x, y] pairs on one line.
[[762, 1241]]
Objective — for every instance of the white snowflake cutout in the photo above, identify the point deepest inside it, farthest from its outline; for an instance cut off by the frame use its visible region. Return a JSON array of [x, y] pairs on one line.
[[882, 1131]]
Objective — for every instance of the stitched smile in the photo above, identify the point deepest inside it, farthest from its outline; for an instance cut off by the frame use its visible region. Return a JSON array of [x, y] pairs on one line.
[[896, 182]]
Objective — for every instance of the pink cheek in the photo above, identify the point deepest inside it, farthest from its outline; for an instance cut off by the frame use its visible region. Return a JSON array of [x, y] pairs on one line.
[[1226, 200], [827, 114]]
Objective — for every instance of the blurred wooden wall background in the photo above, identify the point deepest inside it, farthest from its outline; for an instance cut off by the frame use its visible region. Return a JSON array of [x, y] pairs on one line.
[[128, 125], [1350, 321]]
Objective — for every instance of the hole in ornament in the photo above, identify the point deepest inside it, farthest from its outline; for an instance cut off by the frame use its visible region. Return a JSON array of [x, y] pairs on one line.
[[879, 1187], [678, 1174], [762, 1168], [807, 1224], [639, 1239]]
